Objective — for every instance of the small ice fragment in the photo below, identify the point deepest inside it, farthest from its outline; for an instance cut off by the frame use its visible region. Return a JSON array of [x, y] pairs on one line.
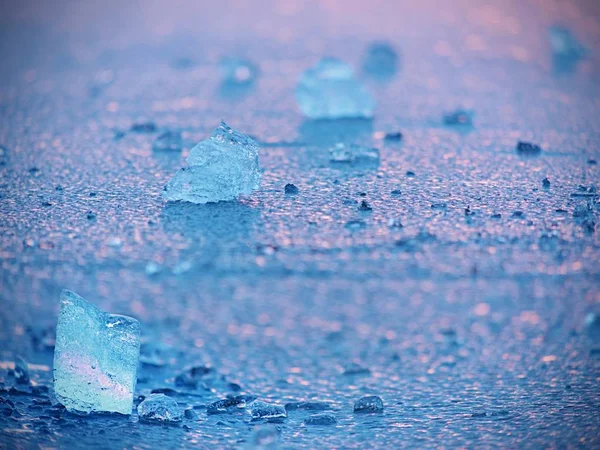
[[182, 267], [353, 154], [114, 242], [528, 149], [159, 407], [192, 376], [356, 369], [394, 223], [153, 268], [321, 419], [381, 60], [291, 189], [564, 44], [221, 168], [189, 413], [368, 404], [307, 406], [460, 117], [330, 91], [237, 70], [262, 410], [143, 127], [95, 357], [21, 371], [169, 141], [230, 404]]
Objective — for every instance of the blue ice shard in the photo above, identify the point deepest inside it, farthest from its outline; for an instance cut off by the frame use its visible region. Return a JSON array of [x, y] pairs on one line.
[[220, 168], [381, 61], [261, 410], [95, 357], [330, 91], [159, 407]]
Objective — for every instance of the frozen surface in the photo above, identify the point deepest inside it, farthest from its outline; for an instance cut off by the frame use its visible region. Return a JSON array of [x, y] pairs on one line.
[[95, 357], [220, 168], [329, 90], [469, 320]]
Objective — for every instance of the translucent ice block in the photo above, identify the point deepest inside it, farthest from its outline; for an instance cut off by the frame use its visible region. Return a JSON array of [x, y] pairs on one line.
[[95, 357], [221, 168], [330, 91]]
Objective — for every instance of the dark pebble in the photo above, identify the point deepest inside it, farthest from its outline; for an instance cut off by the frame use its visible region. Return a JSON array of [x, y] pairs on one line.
[[528, 149], [291, 189]]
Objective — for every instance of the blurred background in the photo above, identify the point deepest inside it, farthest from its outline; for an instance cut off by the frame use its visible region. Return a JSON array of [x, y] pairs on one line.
[[467, 297]]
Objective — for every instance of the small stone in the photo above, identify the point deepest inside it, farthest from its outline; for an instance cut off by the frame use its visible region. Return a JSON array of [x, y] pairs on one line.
[[91, 216], [144, 127], [261, 410], [160, 408], [469, 212], [321, 419], [393, 137], [592, 162], [46, 204], [169, 141], [546, 183], [330, 91], [396, 192], [528, 149], [517, 214], [21, 371], [410, 174], [291, 189], [356, 369], [364, 206], [237, 70], [381, 60], [369, 404], [496, 216]]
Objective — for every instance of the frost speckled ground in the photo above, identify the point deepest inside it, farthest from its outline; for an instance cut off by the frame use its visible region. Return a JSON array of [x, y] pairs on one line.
[[483, 316]]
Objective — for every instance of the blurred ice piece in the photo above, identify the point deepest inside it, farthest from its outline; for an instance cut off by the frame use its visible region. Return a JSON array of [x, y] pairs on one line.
[[459, 117], [381, 61], [159, 407], [169, 141], [237, 70], [262, 410], [265, 437], [353, 154], [95, 357], [368, 404], [21, 371], [330, 91], [528, 149], [221, 168], [567, 51]]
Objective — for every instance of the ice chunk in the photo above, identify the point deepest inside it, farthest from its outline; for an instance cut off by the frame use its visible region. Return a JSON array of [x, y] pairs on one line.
[[381, 60], [229, 404], [262, 410], [21, 371], [95, 357], [368, 404], [330, 91], [354, 154], [221, 168], [460, 117], [321, 419], [161, 408], [169, 141], [291, 189], [564, 44], [237, 70]]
